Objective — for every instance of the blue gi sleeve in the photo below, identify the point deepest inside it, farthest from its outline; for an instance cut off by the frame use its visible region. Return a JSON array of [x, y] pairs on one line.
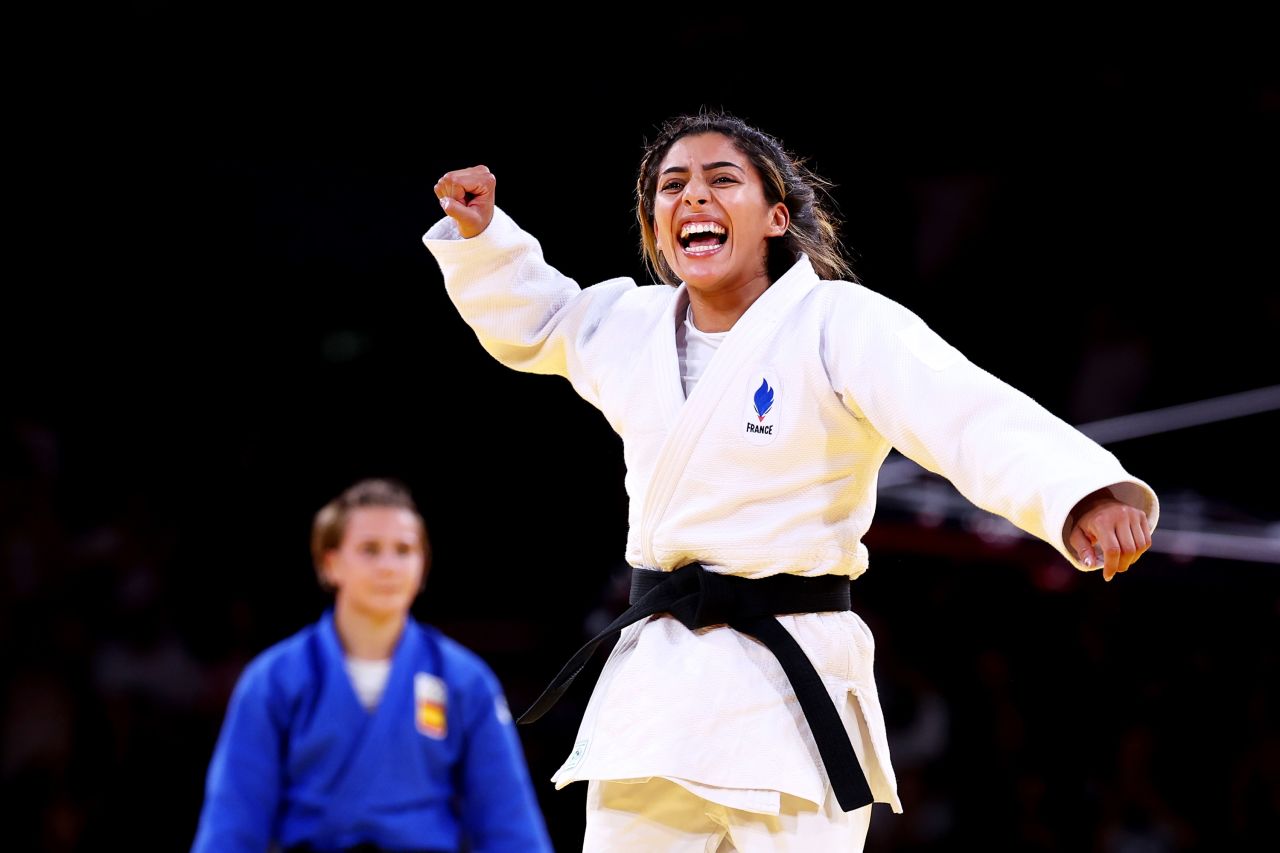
[[242, 791], [499, 809]]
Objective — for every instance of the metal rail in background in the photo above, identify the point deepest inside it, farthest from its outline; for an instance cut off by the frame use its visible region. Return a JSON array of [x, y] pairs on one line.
[[1183, 533]]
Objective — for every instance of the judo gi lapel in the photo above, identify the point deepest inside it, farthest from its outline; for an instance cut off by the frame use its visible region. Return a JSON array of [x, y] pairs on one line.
[[665, 361], [338, 692], [688, 421], [358, 782]]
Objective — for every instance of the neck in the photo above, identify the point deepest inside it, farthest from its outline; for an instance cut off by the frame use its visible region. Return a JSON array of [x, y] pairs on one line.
[[717, 311], [366, 635]]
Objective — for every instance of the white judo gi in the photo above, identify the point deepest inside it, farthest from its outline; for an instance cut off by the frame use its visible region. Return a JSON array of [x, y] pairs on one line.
[[769, 466]]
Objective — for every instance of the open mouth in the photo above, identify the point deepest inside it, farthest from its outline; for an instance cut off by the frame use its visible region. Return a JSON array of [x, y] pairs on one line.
[[702, 238]]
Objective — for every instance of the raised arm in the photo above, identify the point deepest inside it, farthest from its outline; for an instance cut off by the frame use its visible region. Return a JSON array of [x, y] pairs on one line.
[[525, 313]]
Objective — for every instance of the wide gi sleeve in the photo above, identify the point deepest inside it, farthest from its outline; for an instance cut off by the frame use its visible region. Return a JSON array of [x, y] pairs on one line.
[[1001, 449], [499, 810], [242, 790], [525, 313]]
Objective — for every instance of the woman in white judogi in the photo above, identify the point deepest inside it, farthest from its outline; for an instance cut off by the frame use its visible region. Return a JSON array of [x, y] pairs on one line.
[[757, 397]]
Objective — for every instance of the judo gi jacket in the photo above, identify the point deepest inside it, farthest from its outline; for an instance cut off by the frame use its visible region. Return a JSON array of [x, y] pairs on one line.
[[768, 466]]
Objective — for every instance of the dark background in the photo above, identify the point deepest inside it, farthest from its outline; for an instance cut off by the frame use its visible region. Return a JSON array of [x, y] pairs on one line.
[[220, 314]]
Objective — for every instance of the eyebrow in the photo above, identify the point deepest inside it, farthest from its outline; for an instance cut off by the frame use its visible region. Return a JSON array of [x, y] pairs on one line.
[[706, 167]]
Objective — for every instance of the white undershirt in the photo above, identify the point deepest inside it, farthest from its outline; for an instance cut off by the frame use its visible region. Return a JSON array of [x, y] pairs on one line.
[[369, 678], [695, 348]]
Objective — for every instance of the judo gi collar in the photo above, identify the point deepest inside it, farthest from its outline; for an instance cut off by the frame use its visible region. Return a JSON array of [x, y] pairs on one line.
[[800, 272], [686, 419]]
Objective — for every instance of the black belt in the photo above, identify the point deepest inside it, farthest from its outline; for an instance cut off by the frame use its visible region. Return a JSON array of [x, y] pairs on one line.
[[698, 598]]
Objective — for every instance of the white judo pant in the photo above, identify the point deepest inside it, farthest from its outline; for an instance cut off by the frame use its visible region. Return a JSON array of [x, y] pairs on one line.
[[659, 815]]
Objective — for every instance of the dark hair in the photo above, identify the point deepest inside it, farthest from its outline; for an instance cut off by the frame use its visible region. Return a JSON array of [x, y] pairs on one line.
[[330, 524], [786, 179]]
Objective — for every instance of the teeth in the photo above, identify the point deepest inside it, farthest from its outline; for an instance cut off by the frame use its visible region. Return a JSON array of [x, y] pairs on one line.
[[701, 228]]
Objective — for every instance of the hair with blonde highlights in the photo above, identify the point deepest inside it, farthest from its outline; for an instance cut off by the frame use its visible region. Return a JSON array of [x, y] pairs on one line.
[[330, 524], [813, 227]]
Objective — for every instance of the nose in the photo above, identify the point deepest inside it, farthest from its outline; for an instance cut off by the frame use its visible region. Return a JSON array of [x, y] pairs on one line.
[[389, 564], [695, 192]]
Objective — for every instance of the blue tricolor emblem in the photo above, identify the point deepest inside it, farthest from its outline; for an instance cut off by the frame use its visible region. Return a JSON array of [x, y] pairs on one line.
[[763, 400], [762, 408]]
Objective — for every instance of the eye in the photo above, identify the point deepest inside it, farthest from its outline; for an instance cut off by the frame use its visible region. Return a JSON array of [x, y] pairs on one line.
[[369, 549], [725, 178], [403, 549], [670, 185]]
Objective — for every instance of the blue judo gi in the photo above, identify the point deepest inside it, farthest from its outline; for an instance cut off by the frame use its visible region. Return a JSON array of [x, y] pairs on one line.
[[300, 762]]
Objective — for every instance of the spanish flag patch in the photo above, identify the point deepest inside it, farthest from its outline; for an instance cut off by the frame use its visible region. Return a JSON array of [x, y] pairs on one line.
[[430, 701]]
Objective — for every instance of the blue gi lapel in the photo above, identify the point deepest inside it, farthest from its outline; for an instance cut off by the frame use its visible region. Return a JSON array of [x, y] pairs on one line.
[[359, 780], [338, 690]]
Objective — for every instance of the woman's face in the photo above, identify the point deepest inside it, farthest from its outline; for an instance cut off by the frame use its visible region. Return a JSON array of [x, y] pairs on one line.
[[710, 216], [377, 569]]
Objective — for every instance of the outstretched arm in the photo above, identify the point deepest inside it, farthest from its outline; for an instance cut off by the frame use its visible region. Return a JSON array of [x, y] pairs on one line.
[[1004, 451]]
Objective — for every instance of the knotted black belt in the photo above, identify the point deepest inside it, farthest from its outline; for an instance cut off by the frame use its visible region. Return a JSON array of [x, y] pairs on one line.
[[698, 598]]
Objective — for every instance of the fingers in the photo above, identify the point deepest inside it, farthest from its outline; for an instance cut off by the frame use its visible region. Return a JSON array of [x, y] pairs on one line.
[[464, 185], [461, 177], [1139, 533], [1124, 537], [467, 195], [1082, 545], [1111, 560], [1118, 549], [1144, 527], [1112, 533], [1128, 549]]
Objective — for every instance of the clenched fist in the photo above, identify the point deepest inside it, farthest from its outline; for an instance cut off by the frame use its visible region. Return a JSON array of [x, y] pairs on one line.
[[1120, 532], [467, 196]]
